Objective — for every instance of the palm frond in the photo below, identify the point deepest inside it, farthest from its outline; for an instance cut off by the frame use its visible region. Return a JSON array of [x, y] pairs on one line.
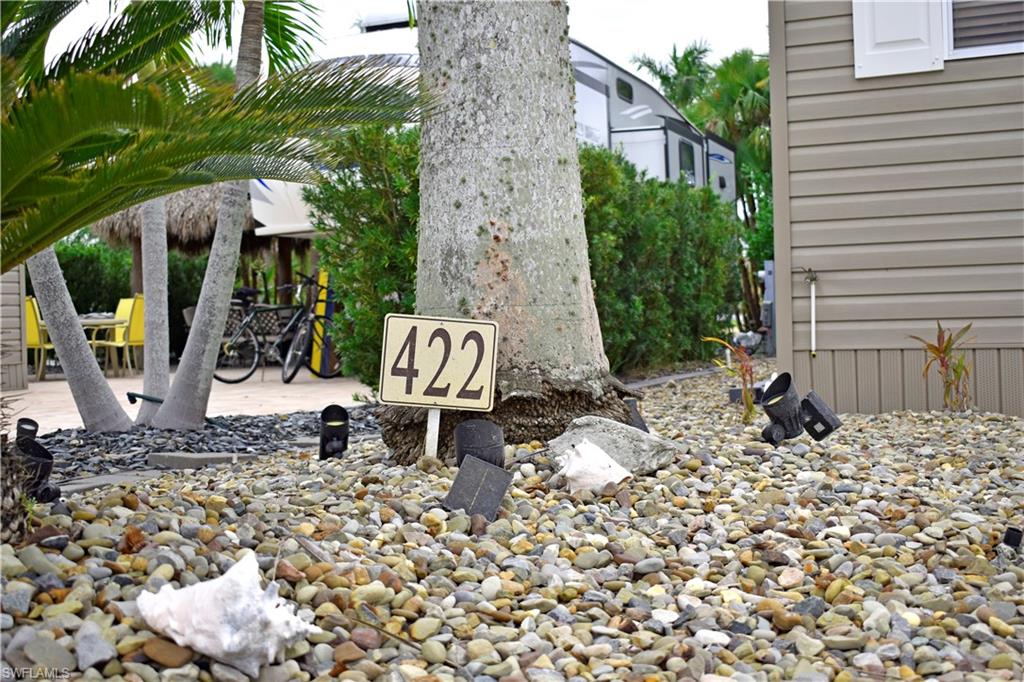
[[290, 28], [9, 13], [74, 109], [26, 28], [143, 33], [121, 144]]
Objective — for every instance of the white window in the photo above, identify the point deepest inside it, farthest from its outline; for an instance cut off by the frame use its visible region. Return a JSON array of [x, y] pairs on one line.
[[900, 37], [979, 28]]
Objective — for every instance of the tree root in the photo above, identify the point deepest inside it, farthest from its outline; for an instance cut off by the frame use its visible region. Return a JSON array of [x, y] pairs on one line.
[[541, 415]]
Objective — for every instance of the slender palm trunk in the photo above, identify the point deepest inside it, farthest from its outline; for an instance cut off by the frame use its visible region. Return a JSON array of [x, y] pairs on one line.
[[95, 401], [501, 233], [156, 350], [186, 402], [137, 277]]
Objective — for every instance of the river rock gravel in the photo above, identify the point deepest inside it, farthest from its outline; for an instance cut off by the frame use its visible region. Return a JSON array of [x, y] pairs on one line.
[[78, 452], [873, 555]]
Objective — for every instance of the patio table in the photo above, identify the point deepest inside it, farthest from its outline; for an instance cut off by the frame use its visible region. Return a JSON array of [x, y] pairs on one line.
[[93, 324]]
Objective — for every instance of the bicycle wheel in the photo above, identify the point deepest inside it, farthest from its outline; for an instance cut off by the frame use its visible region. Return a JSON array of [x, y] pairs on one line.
[[330, 364], [297, 350], [237, 359]]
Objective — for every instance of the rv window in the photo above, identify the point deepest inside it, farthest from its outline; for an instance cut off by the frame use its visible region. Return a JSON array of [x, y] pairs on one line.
[[687, 164], [624, 90]]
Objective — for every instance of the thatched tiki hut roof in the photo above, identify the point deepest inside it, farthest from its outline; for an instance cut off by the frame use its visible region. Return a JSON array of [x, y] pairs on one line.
[[191, 222]]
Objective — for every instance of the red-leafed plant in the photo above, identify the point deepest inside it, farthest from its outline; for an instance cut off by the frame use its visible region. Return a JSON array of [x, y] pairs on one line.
[[947, 354], [744, 370]]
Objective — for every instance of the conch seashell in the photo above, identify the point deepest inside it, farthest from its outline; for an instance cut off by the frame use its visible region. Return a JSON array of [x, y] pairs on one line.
[[587, 467], [230, 619]]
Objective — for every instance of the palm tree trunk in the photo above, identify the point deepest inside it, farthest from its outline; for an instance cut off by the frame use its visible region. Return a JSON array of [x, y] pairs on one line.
[[137, 278], [500, 198], [95, 401], [186, 402], [156, 349]]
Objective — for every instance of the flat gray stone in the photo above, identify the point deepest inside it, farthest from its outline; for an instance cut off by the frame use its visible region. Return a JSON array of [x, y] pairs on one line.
[[91, 648], [636, 451], [82, 485], [49, 654], [196, 460]]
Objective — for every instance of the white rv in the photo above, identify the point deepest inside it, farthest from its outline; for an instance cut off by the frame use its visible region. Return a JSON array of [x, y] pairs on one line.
[[617, 110], [614, 109]]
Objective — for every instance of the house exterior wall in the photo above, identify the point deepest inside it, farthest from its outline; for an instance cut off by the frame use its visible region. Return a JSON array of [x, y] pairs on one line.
[[905, 195], [13, 359]]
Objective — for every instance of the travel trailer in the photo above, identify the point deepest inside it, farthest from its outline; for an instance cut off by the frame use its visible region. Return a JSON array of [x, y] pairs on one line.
[[617, 110], [614, 109]]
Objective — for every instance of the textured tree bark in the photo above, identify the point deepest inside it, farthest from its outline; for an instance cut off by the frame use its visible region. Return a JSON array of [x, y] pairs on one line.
[[156, 349], [95, 401], [501, 233], [186, 402], [137, 278]]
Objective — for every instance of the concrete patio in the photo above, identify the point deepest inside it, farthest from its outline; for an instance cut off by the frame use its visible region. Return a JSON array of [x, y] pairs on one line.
[[49, 402]]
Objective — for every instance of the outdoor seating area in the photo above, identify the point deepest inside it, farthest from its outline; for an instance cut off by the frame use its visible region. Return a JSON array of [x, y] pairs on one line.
[[116, 338]]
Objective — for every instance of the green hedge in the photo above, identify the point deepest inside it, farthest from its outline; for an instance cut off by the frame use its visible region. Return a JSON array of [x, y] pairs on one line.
[[98, 276], [661, 254]]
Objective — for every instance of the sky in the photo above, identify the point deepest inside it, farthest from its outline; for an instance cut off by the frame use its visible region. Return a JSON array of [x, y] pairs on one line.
[[617, 29]]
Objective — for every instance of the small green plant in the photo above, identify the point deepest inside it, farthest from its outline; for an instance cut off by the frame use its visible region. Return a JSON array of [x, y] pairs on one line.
[[28, 504], [947, 354], [744, 370]]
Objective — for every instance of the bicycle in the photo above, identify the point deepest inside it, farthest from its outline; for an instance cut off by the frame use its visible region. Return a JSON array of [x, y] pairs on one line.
[[292, 345]]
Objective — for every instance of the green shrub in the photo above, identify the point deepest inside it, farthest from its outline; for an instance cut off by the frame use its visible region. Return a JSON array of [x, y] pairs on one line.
[[368, 214], [762, 238], [661, 258], [98, 276], [661, 254]]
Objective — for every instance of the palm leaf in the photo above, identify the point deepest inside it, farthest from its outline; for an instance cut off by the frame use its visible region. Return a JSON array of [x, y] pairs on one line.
[[143, 33], [71, 110], [272, 130], [26, 28], [290, 28], [9, 13]]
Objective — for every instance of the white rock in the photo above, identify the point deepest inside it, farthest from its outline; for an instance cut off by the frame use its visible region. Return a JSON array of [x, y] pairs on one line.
[[878, 621], [587, 467], [709, 637], [230, 619], [665, 616], [841, 532], [490, 587], [869, 661], [811, 477], [636, 451]]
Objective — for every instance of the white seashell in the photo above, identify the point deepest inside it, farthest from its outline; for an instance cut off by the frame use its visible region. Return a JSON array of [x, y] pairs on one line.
[[231, 619], [588, 467]]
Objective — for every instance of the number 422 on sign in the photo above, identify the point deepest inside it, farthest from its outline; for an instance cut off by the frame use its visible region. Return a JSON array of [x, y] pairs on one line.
[[438, 362]]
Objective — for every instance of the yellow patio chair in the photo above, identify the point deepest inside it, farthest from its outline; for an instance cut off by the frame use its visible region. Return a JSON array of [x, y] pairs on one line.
[[136, 329], [117, 337], [36, 338]]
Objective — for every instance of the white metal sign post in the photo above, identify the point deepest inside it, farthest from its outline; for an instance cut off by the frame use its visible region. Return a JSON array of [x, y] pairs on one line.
[[438, 362]]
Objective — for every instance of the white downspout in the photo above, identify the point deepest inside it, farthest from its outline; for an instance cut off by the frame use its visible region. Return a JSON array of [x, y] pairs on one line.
[[811, 278]]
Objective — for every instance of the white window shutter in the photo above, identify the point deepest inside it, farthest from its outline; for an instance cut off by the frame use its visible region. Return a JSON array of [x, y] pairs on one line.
[[891, 38]]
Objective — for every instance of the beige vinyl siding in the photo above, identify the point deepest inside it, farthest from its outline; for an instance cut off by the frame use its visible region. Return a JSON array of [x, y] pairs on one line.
[[12, 333], [905, 195]]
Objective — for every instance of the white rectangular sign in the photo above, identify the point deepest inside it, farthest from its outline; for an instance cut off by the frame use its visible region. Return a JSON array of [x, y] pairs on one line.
[[438, 362]]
